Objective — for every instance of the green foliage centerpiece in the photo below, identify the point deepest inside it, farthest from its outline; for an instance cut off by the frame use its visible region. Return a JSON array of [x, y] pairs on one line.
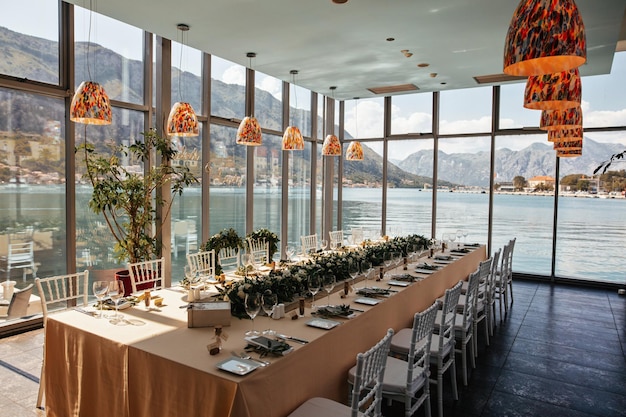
[[226, 238], [270, 237]]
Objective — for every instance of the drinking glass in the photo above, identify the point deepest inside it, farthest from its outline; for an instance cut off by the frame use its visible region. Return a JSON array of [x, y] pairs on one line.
[[253, 306], [248, 262], [464, 236], [100, 289], [329, 285], [444, 239], [366, 270], [269, 302], [116, 292], [314, 288], [353, 270], [451, 239], [387, 260], [290, 251], [397, 258], [323, 244], [459, 234], [190, 275]]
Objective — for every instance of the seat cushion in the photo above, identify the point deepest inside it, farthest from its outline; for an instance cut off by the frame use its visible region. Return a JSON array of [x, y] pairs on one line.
[[401, 341], [394, 382], [318, 407]]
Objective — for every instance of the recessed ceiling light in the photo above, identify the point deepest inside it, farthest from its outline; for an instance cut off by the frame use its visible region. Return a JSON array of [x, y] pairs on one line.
[[390, 39], [423, 65], [443, 83], [433, 74], [340, 1]]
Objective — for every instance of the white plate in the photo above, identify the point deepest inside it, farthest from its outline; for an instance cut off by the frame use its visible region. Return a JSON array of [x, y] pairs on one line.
[[366, 300], [323, 323], [238, 366], [442, 262], [425, 271], [399, 283]]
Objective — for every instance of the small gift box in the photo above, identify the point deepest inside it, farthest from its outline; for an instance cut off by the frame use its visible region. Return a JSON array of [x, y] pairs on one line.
[[208, 314]]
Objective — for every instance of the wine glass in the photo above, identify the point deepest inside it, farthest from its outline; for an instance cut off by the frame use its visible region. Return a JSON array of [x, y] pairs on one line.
[[464, 236], [190, 275], [314, 288], [248, 262], [329, 285], [116, 292], [444, 239], [253, 306], [397, 258], [459, 234], [100, 289], [323, 244], [451, 238], [366, 269], [269, 302], [353, 270], [387, 260], [290, 250]]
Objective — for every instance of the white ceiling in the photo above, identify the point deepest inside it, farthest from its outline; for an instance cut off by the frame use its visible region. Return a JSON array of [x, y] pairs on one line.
[[345, 45]]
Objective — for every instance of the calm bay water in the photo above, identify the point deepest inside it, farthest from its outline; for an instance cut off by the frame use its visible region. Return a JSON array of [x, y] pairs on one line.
[[591, 233]]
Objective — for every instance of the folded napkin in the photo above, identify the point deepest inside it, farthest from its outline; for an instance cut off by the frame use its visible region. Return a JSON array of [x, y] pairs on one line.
[[443, 257], [462, 250], [472, 245]]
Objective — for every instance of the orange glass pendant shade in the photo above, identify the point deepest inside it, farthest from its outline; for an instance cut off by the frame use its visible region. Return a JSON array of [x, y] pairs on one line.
[[561, 119], [331, 146], [249, 132], [561, 135], [574, 144], [354, 151], [544, 37], [558, 91], [182, 120], [572, 153], [90, 105], [292, 139]]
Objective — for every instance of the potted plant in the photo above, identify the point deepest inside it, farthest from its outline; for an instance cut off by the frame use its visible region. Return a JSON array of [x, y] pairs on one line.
[[127, 198]]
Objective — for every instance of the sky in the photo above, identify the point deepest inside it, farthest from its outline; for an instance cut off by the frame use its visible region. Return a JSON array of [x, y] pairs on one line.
[[462, 111]]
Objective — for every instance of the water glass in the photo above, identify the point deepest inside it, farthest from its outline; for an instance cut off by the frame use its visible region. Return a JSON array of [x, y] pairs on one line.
[[252, 304], [314, 288], [100, 290]]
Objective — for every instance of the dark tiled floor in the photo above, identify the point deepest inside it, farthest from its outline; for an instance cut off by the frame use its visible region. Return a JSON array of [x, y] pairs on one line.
[[561, 351]]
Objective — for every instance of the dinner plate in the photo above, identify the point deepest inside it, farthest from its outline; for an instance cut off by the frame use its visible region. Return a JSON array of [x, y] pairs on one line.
[[442, 262], [399, 283], [238, 366], [425, 271], [366, 300], [322, 323]]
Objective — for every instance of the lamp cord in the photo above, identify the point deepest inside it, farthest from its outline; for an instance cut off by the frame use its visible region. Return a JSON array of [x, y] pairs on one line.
[[180, 65]]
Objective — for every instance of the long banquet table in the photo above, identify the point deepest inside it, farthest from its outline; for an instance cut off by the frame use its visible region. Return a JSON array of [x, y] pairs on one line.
[[163, 368]]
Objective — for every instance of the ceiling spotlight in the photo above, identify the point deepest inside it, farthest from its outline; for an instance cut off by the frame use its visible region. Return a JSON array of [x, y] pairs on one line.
[[407, 53], [340, 1], [433, 74], [423, 65]]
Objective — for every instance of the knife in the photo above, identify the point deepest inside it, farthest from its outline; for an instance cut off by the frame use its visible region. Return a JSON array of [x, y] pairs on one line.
[[295, 339]]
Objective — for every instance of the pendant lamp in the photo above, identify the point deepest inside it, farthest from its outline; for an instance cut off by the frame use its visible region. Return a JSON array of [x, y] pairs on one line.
[[182, 120], [292, 138], [249, 131], [90, 104], [561, 90], [573, 153], [561, 119], [355, 150], [331, 146], [560, 135], [544, 37], [574, 144]]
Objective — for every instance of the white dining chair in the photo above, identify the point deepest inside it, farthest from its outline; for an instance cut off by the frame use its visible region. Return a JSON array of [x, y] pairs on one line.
[[357, 235], [59, 293], [366, 393], [146, 274], [229, 259], [491, 294], [202, 264], [502, 278], [442, 354], [309, 244], [405, 379], [260, 250], [481, 307], [336, 238], [18, 305], [21, 255]]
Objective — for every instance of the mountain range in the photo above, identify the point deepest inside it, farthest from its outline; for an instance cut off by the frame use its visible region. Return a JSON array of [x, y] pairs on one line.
[[35, 58]]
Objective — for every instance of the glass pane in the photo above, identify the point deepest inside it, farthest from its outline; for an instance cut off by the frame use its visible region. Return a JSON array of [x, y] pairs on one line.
[[528, 216], [32, 185], [31, 49], [186, 76], [603, 96], [299, 195], [513, 114], [321, 100], [94, 240], [362, 192], [592, 225], [109, 52], [268, 101], [409, 192], [465, 111], [300, 109], [412, 113], [364, 118], [462, 188], [228, 181], [228, 93], [186, 214], [268, 160]]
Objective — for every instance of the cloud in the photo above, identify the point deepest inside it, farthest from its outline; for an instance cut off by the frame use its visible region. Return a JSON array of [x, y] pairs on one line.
[[234, 75], [272, 85]]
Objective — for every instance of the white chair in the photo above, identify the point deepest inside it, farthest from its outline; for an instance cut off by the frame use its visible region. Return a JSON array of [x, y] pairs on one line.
[[21, 255], [491, 294], [442, 344], [481, 304], [357, 235], [260, 250], [60, 292], [309, 244], [18, 305], [366, 394], [184, 235], [229, 259], [202, 264], [404, 380], [146, 275], [336, 238], [503, 278]]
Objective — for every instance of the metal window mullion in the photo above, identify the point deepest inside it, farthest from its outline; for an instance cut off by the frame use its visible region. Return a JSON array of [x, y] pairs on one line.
[[249, 154], [205, 212], [435, 127], [284, 206]]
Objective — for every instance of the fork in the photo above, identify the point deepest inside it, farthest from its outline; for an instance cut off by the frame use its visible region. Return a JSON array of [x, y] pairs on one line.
[[243, 355]]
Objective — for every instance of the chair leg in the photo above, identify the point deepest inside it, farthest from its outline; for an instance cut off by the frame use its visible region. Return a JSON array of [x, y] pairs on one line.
[[486, 332], [511, 289], [464, 361], [455, 391], [475, 338], [440, 391], [473, 353], [40, 393], [427, 410]]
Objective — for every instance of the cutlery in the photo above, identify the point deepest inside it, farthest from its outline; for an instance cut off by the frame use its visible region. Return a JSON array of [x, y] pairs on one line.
[[82, 310], [295, 339], [243, 355]]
